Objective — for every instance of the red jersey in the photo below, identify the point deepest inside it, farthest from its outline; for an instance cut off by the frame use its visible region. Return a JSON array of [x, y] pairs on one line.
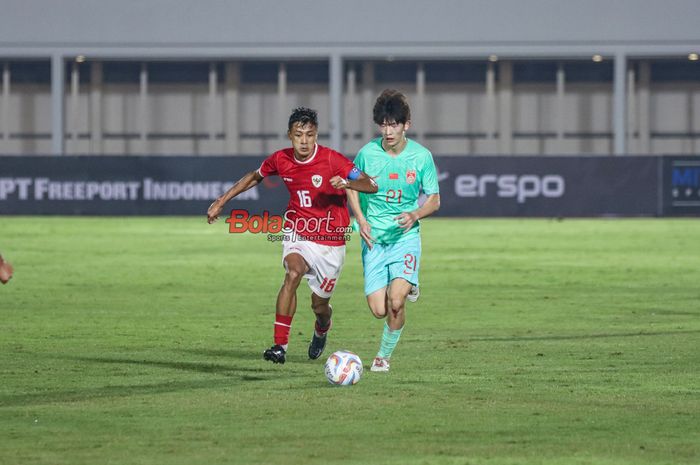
[[316, 210]]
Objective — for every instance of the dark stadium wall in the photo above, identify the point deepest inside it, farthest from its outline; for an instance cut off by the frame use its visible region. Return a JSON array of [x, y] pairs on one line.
[[486, 186]]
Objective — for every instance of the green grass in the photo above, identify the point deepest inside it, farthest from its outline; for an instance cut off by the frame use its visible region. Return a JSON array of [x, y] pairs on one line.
[[139, 340]]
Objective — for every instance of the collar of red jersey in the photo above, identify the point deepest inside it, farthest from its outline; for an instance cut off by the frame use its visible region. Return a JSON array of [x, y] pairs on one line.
[[306, 162]]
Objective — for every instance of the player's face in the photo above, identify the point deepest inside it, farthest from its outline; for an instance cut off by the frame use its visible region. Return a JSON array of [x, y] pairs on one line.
[[393, 133], [303, 139]]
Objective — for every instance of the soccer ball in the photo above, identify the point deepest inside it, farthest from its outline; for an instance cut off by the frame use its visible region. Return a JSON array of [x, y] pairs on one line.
[[343, 368]]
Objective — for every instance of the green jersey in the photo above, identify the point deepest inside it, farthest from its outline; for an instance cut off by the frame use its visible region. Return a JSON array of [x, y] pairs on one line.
[[400, 178]]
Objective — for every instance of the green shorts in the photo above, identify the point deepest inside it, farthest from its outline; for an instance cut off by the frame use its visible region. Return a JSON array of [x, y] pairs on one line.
[[385, 262]]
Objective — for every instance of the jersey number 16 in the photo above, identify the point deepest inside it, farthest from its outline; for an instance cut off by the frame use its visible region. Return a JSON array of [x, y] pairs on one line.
[[304, 198]]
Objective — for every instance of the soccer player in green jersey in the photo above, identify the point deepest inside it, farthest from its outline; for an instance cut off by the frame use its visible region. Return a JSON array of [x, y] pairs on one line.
[[389, 220]]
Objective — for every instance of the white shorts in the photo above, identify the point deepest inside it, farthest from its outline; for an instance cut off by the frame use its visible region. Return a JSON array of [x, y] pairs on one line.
[[325, 264]]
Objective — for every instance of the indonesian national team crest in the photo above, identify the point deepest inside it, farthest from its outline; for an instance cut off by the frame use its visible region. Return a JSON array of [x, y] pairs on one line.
[[316, 180], [410, 176]]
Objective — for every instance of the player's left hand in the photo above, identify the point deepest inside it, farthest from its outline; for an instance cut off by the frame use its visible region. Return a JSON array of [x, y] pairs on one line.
[[406, 220], [339, 183]]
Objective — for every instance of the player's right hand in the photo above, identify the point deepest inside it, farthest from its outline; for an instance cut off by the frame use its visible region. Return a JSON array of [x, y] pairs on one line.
[[214, 211], [5, 271], [366, 233], [338, 182]]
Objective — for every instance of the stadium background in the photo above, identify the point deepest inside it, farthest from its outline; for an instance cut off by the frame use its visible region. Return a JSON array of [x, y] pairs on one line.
[[132, 331], [566, 85]]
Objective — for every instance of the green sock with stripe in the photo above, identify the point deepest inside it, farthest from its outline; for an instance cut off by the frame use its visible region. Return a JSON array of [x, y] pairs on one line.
[[390, 337]]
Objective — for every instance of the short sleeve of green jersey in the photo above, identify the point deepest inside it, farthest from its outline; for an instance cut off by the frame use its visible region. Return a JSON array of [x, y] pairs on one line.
[[360, 161], [430, 180]]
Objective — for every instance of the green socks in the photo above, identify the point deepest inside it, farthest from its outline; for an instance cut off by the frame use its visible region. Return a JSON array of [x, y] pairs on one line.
[[390, 338]]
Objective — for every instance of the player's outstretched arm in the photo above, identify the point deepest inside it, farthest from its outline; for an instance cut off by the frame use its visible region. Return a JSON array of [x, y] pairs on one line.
[[431, 205], [363, 183], [365, 228], [246, 182]]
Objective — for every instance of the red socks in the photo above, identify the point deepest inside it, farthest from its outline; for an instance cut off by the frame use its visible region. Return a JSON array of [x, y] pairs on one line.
[[320, 332], [283, 324]]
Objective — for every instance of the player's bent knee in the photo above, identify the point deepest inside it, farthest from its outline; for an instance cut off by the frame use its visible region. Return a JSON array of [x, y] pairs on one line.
[[293, 276], [379, 315], [378, 312]]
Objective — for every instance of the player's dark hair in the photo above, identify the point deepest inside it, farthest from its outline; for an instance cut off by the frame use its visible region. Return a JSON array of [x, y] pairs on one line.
[[391, 106], [303, 116]]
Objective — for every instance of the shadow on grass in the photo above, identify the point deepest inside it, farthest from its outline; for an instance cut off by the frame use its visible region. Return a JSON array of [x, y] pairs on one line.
[[198, 367], [104, 392], [233, 376], [237, 354], [555, 337]]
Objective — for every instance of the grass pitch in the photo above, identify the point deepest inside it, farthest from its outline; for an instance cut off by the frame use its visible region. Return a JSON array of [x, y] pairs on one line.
[[139, 341]]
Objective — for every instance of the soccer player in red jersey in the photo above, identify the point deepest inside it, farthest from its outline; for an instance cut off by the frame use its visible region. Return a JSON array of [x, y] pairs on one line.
[[317, 218]]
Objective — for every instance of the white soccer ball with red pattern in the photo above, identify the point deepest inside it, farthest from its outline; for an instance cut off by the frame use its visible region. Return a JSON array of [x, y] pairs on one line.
[[343, 368]]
